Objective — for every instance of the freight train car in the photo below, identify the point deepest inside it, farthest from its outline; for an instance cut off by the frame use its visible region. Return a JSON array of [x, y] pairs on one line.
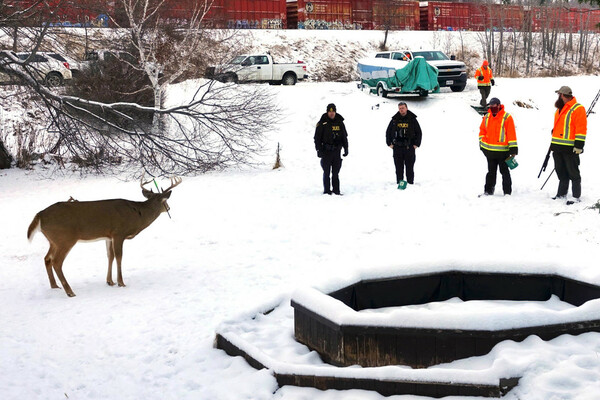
[[437, 15], [396, 15], [76, 13], [353, 14], [255, 14], [320, 14]]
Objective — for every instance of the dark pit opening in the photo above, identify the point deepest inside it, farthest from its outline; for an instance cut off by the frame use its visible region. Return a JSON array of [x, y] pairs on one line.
[[370, 346], [422, 289]]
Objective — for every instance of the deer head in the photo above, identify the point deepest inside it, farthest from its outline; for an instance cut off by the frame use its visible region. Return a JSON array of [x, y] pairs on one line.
[[161, 197]]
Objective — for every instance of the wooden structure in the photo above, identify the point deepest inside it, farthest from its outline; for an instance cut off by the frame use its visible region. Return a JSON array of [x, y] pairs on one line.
[[369, 346], [383, 387]]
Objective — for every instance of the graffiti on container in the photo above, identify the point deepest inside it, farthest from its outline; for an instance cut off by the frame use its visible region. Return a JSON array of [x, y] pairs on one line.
[[101, 21], [262, 24], [328, 25]]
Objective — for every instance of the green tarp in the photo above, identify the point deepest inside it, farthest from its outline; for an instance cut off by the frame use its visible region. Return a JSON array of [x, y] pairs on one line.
[[417, 75]]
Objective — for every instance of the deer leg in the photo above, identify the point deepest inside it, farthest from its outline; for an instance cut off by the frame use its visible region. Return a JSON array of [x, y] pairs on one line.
[[111, 256], [118, 249], [48, 261], [58, 259]]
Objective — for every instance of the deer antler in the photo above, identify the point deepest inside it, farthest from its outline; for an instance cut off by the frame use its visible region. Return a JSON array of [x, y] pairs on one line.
[[142, 183], [174, 182]]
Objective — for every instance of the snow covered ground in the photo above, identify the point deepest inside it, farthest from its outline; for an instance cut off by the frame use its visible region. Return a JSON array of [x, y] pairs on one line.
[[241, 242]]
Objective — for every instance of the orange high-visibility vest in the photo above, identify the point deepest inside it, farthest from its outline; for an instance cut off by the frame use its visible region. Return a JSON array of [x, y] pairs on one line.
[[497, 133], [487, 76], [570, 125]]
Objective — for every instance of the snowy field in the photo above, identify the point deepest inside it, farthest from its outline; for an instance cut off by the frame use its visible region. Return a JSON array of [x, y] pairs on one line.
[[241, 242]]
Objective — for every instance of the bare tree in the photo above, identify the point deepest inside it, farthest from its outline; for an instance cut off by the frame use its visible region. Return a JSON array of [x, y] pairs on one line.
[[216, 126], [392, 15]]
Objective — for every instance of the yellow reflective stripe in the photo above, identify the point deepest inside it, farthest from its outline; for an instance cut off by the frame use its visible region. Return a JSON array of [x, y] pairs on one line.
[[502, 135], [580, 137], [494, 147], [567, 128], [564, 142]]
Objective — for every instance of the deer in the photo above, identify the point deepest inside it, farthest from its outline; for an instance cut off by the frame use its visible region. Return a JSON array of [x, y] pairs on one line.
[[68, 222]]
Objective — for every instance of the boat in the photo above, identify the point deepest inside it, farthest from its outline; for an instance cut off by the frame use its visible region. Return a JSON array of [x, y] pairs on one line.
[[385, 76]]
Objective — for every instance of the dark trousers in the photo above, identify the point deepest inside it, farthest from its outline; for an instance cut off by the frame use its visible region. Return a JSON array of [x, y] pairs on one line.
[[495, 161], [331, 162], [405, 157], [485, 92], [566, 164]]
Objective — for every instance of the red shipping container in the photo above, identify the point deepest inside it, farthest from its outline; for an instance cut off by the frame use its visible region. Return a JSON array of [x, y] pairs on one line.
[[235, 14], [437, 15], [323, 14], [255, 14], [506, 17], [545, 18], [362, 13], [478, 17], [396, 15], [62, 13], [584, 19], [595, 20]]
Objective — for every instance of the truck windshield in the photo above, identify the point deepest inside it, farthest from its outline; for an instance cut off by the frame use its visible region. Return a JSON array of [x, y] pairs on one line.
[[238, 60], [431, 55]]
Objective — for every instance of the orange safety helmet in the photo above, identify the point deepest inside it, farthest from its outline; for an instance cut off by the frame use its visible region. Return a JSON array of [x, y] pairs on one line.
[[485, 63]]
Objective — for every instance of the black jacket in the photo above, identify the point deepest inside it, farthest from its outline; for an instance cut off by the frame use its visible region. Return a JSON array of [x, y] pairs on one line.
[[404, 131], [331, 134]]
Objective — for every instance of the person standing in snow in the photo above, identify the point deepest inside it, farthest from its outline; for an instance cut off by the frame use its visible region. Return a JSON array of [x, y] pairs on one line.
[[403, 136], [485, 81], [568, 138], [330, 138], [498, 142]]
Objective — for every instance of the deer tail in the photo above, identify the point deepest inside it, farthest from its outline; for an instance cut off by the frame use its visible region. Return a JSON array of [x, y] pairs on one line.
[[33, 227]]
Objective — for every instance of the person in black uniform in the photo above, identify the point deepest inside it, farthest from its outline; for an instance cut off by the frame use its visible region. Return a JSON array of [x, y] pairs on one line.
[[330, 138], [403, 135]]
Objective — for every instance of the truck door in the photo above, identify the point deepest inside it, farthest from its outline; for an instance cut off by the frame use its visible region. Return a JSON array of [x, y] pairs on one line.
[[264, 68], [248, 72]]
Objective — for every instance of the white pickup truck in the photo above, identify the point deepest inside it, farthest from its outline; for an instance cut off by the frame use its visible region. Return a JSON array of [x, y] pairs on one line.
[[259, 68]]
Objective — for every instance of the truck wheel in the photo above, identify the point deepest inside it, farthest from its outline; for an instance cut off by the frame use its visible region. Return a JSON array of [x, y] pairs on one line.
[[289, 79], [381, 91], [231, 78], [423, 93], [457, 88], [54, 79]]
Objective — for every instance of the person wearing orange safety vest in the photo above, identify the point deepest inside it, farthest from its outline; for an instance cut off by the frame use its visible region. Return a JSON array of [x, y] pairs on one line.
[[498, 142], [485, 81], [568, 138]]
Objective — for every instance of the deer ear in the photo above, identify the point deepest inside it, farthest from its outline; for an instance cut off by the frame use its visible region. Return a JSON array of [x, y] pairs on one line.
[[147, 193]]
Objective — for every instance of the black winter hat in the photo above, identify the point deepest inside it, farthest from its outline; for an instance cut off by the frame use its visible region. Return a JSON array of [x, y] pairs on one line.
[[494, 102], [331, 107]]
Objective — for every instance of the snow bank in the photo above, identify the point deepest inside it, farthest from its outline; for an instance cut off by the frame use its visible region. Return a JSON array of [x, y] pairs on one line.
[[240, 240]]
